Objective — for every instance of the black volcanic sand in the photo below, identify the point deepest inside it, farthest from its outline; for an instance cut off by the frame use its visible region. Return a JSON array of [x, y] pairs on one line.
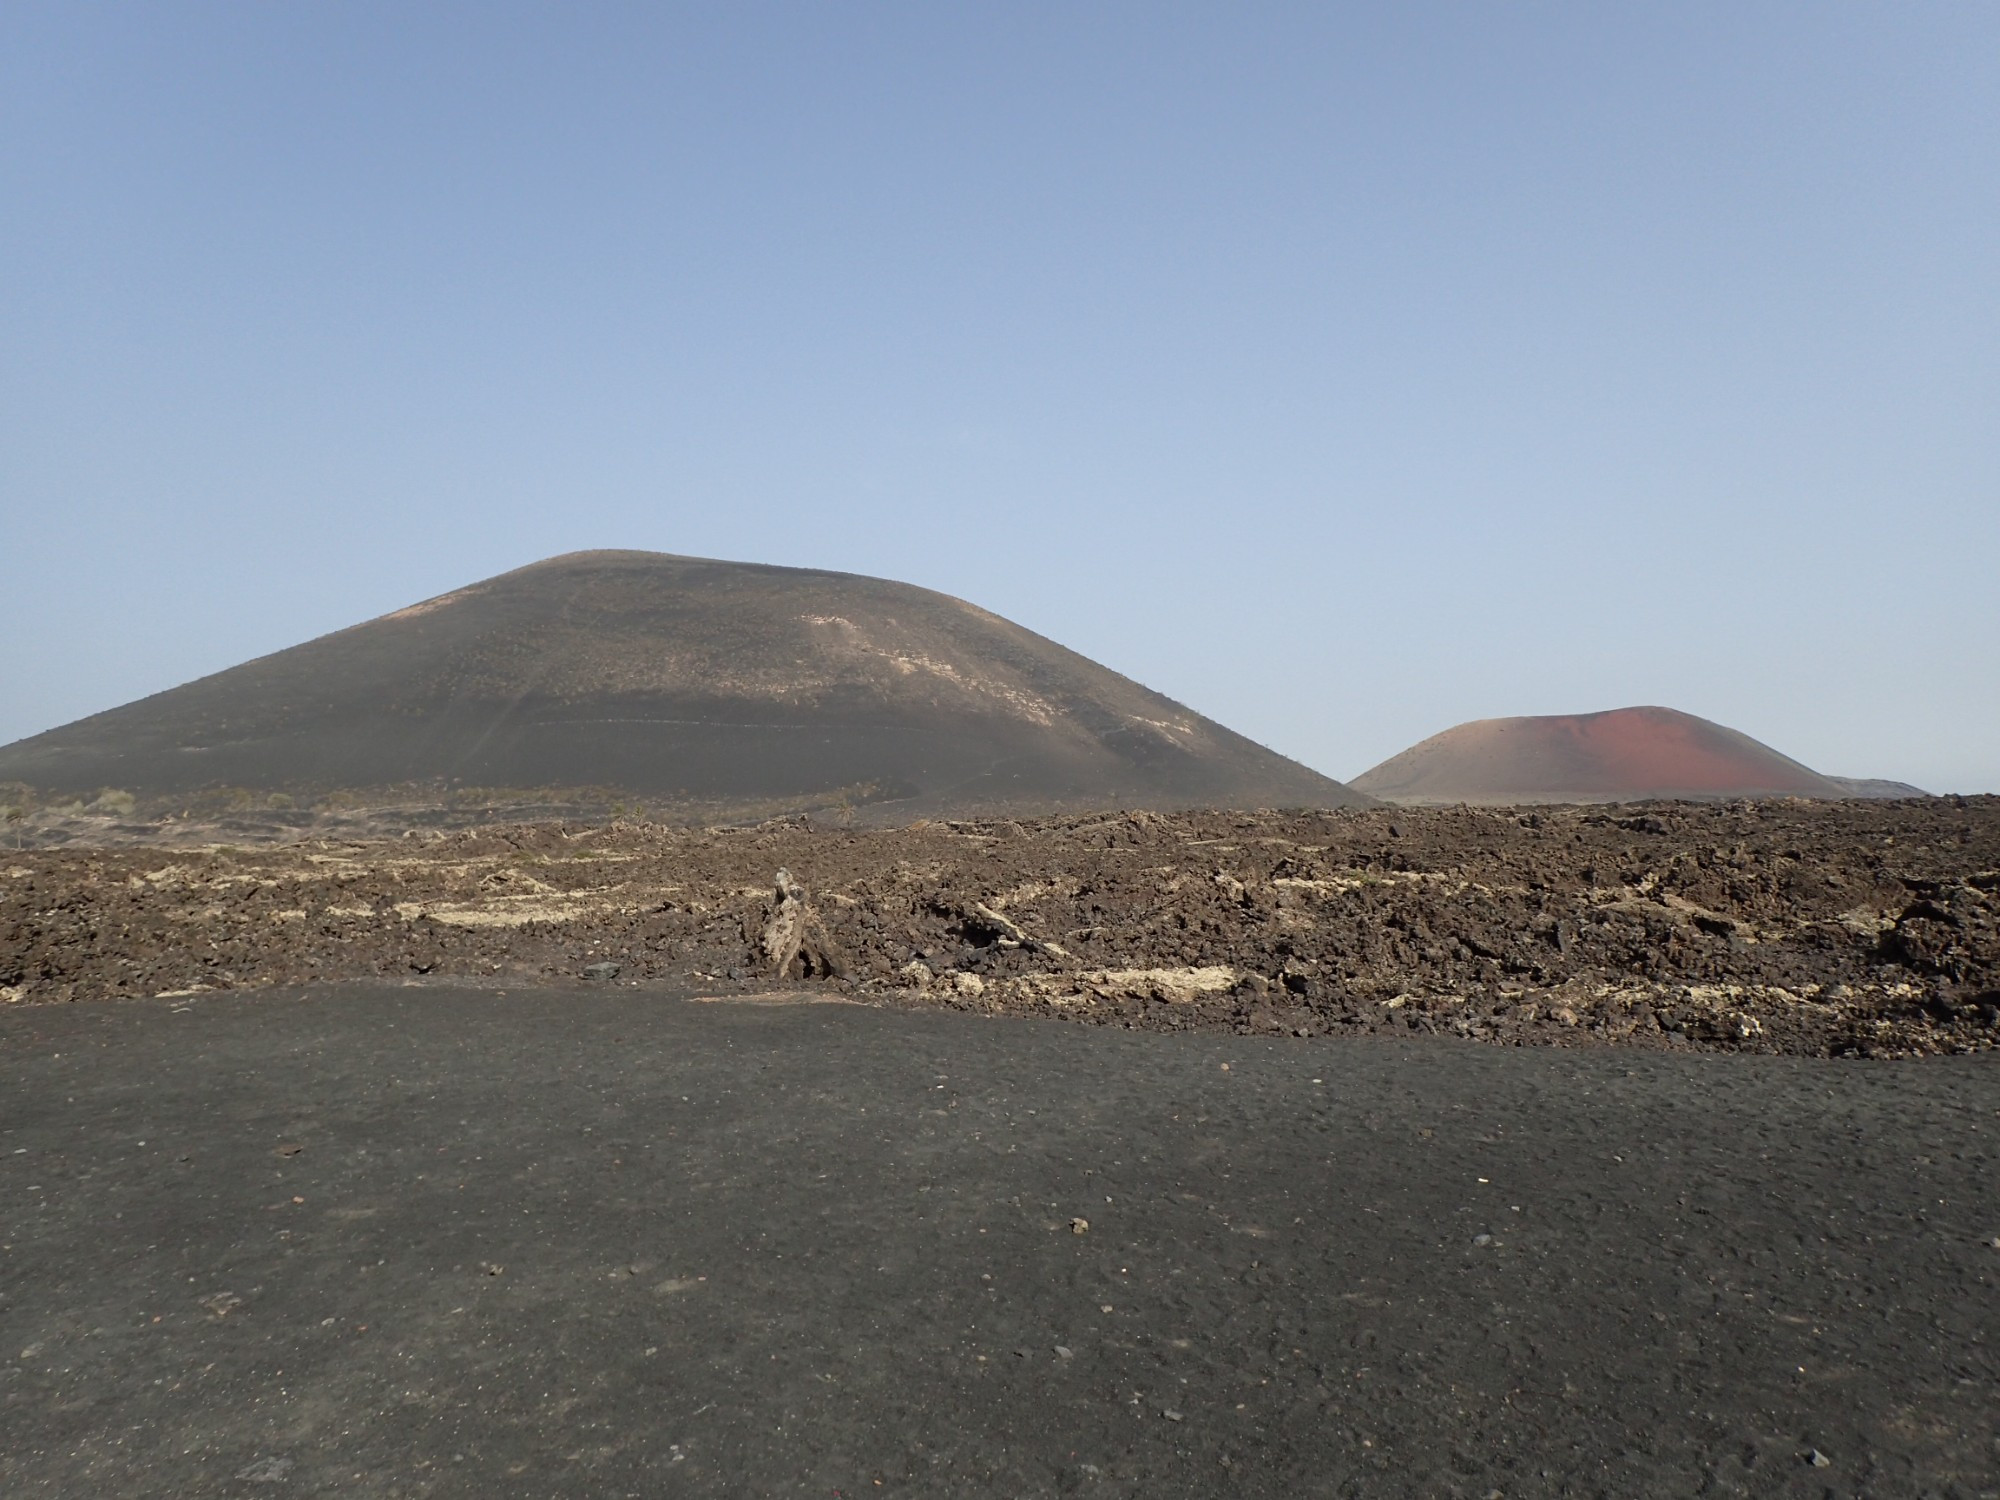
[[450, 1242], [1804, 928]]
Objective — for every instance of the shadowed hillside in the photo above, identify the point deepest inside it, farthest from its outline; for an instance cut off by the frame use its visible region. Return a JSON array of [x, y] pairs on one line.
[[713, 685], [1624, 755]]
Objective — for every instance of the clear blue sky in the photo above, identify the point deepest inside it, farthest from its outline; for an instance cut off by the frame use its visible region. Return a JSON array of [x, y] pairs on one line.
[[1343, 371]]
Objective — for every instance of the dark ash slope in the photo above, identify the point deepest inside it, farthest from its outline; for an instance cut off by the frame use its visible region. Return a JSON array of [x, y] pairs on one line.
[[710, 684]]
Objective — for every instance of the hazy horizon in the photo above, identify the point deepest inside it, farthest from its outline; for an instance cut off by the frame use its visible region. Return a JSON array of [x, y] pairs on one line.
[[1345, 374]]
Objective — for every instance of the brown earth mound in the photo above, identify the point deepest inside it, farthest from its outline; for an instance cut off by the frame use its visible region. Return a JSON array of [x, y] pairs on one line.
[[1844, 927], [709, 689], [1625, 755]]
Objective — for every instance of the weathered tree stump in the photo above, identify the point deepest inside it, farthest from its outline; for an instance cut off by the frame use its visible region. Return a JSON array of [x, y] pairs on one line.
[[795, 943]]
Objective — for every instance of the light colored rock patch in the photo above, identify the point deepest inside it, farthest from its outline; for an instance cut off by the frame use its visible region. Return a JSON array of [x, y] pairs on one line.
[[1027, 705], [166, 875], [910, 662], [505, 911], [1175, 986], [1032, 891], [1866, 923], [919, 975], [514, 883], [180, 877], [1336, 885]]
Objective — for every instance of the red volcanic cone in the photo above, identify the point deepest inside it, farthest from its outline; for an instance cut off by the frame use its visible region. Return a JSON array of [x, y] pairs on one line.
[[1625, 755]]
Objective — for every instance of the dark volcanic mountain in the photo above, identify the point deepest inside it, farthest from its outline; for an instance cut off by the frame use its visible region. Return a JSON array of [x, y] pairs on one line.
[[724, 687], [1624, 755]]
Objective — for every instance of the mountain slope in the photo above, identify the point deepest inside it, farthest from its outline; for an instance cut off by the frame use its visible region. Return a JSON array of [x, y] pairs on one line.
[[709, 684], [1876, 787], [1624, 755]]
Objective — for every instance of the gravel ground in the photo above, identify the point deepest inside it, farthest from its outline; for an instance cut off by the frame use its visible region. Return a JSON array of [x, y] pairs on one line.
[[606, 1241]]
